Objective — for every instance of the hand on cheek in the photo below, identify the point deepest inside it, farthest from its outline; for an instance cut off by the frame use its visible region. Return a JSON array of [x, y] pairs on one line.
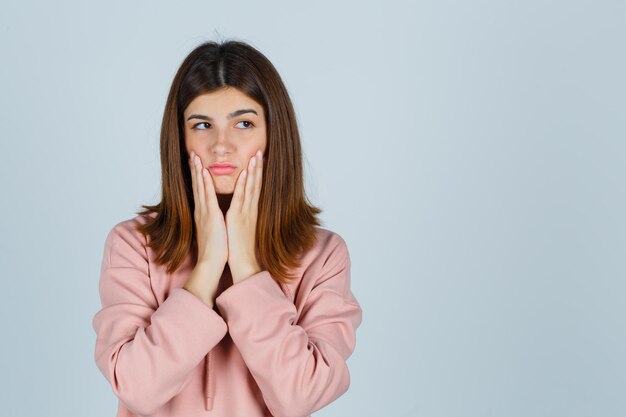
[[241, 220], [211, 234]]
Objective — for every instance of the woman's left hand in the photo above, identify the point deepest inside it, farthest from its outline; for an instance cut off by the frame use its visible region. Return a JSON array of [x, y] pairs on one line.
[[241, 220]]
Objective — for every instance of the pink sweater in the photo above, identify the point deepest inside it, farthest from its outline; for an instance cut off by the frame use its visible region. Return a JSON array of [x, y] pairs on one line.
[[265, 349]]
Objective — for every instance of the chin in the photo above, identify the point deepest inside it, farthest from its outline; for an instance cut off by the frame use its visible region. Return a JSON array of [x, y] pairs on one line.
[[225, 189]]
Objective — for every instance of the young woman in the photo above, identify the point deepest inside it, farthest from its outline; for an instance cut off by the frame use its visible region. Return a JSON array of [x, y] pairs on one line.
[[226, 298]]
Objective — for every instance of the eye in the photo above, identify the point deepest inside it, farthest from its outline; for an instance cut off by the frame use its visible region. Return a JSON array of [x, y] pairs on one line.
[[246, 121], [198, 124]]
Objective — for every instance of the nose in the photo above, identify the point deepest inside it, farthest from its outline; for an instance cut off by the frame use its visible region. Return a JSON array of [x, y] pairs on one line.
[[222, 143]]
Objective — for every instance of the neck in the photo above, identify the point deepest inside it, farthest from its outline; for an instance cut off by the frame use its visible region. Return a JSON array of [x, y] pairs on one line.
[[224, 201]]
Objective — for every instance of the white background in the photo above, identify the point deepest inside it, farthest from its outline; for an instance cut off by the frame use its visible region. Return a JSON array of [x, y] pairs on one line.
[[471, 154]]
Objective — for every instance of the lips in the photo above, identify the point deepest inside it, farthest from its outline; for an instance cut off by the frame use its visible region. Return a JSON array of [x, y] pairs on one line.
[[221, 165], [222, 168]]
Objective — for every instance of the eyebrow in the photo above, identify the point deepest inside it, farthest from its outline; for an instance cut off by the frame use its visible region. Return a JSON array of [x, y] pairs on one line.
[[230, 116]]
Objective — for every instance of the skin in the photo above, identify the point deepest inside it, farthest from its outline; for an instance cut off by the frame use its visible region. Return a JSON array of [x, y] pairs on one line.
[[226, 205]]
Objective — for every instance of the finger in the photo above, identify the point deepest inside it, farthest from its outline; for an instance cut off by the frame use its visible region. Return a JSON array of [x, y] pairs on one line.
[[247, 199], [259, 181], [237, 199], [192, 170], [210, 195], [200, 185]]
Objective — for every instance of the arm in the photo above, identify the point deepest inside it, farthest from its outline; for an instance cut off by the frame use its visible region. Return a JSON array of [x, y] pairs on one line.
[[299, 367], [144, 350]]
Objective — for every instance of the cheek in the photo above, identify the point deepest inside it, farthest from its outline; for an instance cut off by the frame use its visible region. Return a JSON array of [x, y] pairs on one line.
[[252, 152], [188, 145], [260, 143]]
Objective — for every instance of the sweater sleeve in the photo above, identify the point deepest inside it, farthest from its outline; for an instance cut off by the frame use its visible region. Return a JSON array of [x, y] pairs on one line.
[[300, 367], [144, 350]]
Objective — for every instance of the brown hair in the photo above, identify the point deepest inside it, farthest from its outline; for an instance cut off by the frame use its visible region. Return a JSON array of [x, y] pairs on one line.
[[286, 220]]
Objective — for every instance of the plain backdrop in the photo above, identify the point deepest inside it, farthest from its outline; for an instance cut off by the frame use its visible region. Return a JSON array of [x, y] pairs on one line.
[[471, 154]]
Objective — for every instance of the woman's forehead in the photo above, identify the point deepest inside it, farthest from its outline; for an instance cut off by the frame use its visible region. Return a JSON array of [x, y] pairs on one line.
[[223, 103]]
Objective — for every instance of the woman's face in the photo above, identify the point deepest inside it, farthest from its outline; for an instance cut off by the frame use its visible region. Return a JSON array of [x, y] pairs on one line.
[[224, 126]]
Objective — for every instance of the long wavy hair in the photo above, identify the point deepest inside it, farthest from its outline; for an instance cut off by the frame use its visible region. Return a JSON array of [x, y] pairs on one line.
[[286, 219]]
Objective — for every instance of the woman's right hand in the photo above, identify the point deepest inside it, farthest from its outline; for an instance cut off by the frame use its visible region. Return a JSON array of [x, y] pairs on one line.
[[211, 234]]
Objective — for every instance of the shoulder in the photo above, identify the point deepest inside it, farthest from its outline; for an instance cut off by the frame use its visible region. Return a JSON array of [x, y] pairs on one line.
[[125, 245], [329, 253], [325, 266], [127, 229], [328, 236], [329, 242]]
